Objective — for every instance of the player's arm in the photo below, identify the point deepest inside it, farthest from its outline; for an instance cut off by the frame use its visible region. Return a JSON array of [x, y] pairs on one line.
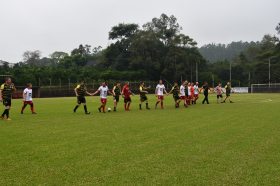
[[156, 91], [170, 91], [113, 91], [143, 90], [24, 95], [96, 92], [75, 90]]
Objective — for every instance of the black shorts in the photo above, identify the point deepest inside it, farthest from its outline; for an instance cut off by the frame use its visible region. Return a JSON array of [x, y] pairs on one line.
[[227, 94], [117, 98], [219, 96], [81, 99], [176, 98], [7, 102], [143, 98], [126, 100]]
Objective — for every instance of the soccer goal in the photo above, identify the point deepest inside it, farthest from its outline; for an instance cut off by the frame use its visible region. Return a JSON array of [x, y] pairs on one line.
[[265, 88]]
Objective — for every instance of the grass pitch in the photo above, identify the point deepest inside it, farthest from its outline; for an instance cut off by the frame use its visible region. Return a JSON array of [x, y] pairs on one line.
[[216, 144]]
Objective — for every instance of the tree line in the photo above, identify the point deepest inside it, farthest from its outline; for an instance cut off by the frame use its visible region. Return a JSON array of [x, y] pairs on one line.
[[156, 50]]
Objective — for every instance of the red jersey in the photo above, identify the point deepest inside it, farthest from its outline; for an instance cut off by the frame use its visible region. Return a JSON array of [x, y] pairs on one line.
[[126, 91], [192, 90]]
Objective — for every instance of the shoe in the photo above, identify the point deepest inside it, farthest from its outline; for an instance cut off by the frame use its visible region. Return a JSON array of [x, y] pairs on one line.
[[21, 112], [34, 113], [148, 108], [8, 119], [231, 102], [87, 113], [99, 109]]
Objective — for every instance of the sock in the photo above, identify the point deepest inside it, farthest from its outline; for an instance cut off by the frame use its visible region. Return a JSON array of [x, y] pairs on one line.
[[23, 107], [125, 107], [147, 105], [32, 107], [85, 108], [4, 113], [128, 106], [115, 108], [140, 106], [77, 106], [7, 113], [103, 108], [161, 104]]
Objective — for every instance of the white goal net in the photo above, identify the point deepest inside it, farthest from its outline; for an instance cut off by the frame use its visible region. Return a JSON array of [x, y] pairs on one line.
[[265, 88]]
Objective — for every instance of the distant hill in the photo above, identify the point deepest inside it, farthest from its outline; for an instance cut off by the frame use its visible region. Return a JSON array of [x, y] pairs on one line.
[[218, 52]]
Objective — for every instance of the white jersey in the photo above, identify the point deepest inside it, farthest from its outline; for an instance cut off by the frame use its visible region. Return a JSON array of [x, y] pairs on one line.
[[160, 89], [182, 90], [28, 94], [196, 89], [103, 92], [189, 91]]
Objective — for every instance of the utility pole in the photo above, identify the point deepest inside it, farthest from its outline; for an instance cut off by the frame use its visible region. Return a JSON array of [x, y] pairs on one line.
[[196, 72], [230, 71], [269, 72]]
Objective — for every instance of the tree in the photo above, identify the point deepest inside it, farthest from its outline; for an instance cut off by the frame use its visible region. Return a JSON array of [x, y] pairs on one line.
[[32, 57]]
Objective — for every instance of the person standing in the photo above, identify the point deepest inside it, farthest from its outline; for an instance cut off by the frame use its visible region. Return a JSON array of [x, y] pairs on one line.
[[116, 94], [183, 93], [196, 92], [81, 91], [228, 91], [27, 99], [143, 97], [160, 90], [205, 88], [103, 90], [126, 95], [219, 92], [176, 91], [6, 92]]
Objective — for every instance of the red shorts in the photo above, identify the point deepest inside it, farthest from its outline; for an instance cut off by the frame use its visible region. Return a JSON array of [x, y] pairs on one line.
[[190, 97], [183, 97], [196, 95], [161, 97], [103, 100], [27, 102]]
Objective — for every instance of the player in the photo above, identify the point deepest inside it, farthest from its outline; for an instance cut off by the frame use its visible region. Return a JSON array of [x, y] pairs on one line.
[[228, 91], [175, 91], [205, 89], [143, 97], [116, 94], [189, 93], [219, 92], [103, 90], [160, 90], [27, 99], [81, 91], [6, 92], [192, 93], [183, 93], [196, 92], [126, 95]]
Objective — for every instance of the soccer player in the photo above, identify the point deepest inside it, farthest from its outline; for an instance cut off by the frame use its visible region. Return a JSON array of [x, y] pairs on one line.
[[192, 93], [189, 93], [116, 94], [196, 92], [160, 90], [143, 97], [228, 91], [81, 91], [183, 93], [6, 92], [219, 92], [103, 90], [175, 91], [126, 95], [205, 88], [27, 98]]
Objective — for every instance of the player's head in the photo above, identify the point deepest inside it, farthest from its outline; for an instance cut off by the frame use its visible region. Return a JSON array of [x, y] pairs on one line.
[[103, 84], [29, 85], [197, 83], [160, 81], [186, 82], [228, 83], [220, 84], [183, 82], [8, 80], [142, 83], [191, 83], [127, 83], [82, 82], [118, 83], [175, 84]]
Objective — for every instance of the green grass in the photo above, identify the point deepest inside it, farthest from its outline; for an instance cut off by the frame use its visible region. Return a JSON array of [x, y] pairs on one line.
[[216, 144]]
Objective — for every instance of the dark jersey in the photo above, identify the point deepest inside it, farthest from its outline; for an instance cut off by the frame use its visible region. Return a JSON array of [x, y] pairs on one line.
[[228, 89], [7, 90], [81, 90], [117, 90], [175, 91], [206, 89], [141, 89]]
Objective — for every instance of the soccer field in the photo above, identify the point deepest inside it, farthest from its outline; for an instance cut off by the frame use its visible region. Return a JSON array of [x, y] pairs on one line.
[[215, 144]]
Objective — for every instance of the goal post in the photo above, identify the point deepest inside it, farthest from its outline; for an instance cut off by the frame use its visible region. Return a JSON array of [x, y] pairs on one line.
[[265, 88]]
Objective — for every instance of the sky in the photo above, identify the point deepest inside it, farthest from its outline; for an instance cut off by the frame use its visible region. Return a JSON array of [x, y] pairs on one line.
[[61, 25]]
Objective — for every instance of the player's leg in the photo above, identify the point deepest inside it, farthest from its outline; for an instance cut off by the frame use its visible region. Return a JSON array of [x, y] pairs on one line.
[[78, 104], [32, 107], [140, 103], [5, 114], [147, 105], [158, 101], [128, 104], [161, 102], [23, 107]]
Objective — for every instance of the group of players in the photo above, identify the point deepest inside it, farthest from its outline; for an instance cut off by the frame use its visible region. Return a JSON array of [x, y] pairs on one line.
[[187, 92]]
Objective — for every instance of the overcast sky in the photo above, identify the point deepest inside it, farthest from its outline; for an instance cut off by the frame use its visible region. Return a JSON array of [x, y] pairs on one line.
[[61, 25]]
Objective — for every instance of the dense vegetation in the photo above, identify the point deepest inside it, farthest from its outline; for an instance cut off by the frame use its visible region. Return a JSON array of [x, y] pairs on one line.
[[156, 50]]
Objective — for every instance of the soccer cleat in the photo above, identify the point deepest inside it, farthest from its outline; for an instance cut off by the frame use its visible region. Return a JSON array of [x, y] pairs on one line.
[[87, 113], [34, 113], [8, 119], [99, 109], [21, 112], [231, 102]]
